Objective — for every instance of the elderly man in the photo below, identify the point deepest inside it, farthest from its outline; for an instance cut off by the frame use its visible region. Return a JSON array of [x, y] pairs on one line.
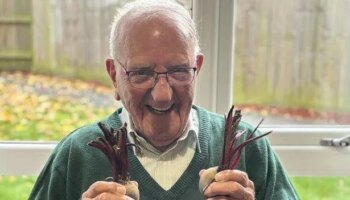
[[155, 61]]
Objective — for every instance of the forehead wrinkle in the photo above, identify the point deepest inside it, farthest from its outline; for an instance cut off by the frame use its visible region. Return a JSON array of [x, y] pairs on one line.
[[163, 32], [132, 22]]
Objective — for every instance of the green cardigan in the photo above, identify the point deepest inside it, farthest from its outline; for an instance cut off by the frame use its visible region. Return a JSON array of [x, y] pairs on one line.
[[74, 166]]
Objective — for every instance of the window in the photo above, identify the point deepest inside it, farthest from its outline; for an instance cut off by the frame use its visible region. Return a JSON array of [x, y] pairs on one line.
[[294, 75], [297, 145]]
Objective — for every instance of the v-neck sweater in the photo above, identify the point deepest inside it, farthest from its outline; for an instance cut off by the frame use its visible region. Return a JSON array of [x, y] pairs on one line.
[[156, 162], [74, 166]]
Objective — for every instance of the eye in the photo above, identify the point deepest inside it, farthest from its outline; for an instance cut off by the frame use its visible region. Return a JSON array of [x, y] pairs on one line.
[[183, 70], [141, 76], [141, 73]]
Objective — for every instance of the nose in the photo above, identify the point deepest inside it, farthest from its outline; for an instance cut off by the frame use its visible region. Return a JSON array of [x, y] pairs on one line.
[[162, 92]]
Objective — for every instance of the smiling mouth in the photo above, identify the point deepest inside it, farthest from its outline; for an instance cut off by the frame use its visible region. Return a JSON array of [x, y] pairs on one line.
[[160, 111]]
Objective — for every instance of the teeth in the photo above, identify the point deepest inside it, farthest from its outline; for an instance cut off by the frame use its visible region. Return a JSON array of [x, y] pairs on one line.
[[161, 110]]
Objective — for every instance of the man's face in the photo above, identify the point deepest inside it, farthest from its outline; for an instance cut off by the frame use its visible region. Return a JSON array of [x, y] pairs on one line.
[[160, 113]]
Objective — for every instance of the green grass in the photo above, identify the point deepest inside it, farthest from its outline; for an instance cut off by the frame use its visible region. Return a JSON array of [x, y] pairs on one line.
[[322, 188], [16, 187]]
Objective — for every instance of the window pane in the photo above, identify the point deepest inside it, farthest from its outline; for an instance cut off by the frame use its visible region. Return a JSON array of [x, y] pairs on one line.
[[292, 61], [52, 76], [66, 42]]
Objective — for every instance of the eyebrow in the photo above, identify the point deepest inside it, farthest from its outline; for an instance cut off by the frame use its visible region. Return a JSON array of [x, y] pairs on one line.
[[141, 67], [183, 65]]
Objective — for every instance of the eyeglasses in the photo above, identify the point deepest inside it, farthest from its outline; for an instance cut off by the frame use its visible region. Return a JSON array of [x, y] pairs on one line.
[[181, 75]]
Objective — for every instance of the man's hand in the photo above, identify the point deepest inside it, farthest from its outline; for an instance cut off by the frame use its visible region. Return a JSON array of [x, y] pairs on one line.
[[230, 184], [105, 190]]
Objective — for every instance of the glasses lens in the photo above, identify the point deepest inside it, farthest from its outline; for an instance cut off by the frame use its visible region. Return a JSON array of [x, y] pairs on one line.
[[142, 78], [147, 79], [181, 76]]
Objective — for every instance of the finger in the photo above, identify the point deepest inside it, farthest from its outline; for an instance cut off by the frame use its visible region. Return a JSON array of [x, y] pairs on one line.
[[224, 198], [230, 189], [233, 175], [221, 198], [109, 196], [224, 188], [251, 185], [100, 187]]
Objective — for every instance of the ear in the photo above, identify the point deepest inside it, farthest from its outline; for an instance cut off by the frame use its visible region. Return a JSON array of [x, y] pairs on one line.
[[199, 62], [112, 75], [111, 69]]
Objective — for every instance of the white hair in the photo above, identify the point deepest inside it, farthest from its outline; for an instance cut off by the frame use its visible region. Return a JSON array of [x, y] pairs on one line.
[[142, 10]]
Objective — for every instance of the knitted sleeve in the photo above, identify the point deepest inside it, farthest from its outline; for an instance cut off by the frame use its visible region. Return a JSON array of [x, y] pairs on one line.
[[72, 167], [266, 171], [51, 182]]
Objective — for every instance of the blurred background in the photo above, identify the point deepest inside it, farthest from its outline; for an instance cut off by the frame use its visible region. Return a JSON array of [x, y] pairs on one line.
[[291, 66]]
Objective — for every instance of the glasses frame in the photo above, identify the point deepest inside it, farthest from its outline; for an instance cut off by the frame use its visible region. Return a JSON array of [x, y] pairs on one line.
[[156, 77]]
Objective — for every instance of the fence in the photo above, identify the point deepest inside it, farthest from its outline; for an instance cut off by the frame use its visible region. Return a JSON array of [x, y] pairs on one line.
[[73, 36], [57, 36], [68, 37], [293, 51], [15, 34]]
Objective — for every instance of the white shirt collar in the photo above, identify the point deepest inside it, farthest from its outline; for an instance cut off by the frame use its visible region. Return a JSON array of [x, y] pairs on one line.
[[192, 128]]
